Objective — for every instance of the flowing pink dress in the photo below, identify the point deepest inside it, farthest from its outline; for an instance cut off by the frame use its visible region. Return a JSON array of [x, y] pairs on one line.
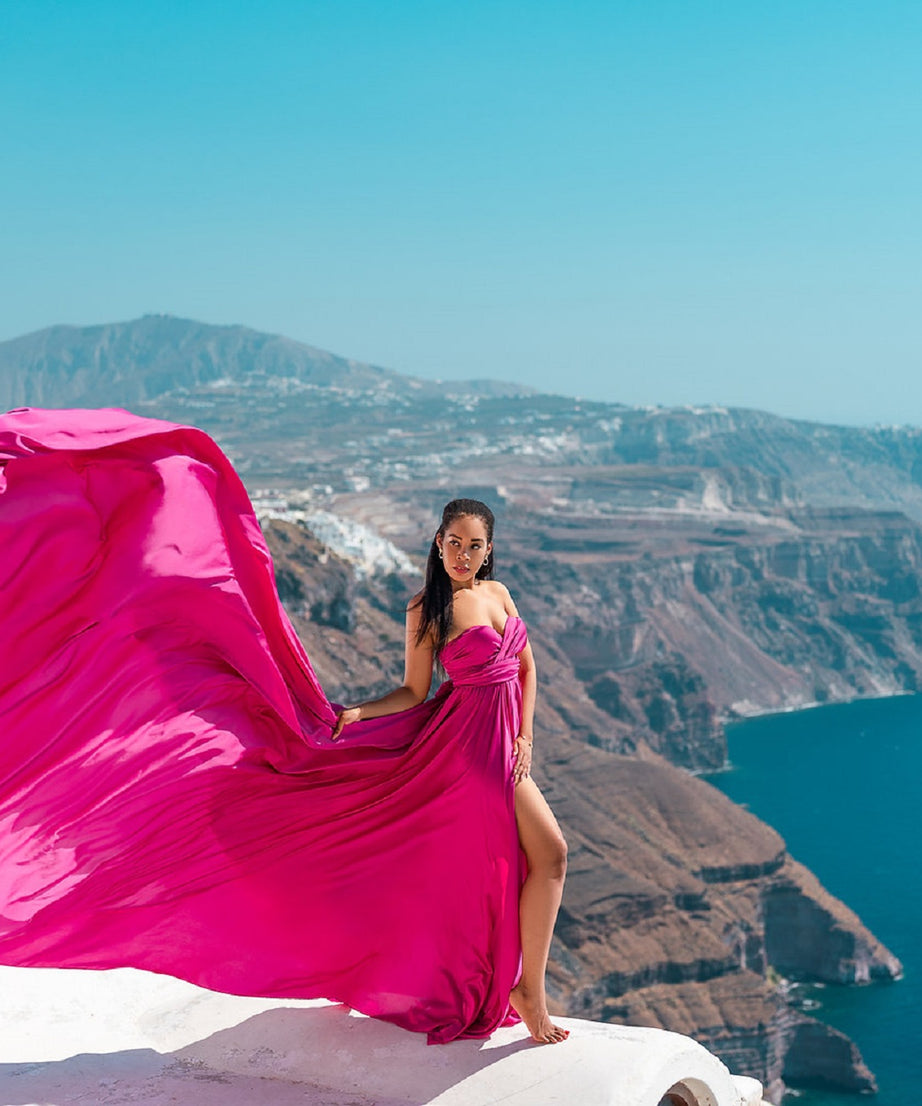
[[170, 798]]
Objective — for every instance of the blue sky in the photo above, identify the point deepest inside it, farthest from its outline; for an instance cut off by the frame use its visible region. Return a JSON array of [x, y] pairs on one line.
[[651, 203]]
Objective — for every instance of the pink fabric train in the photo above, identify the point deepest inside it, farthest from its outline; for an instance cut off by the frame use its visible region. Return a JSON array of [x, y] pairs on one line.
[[169, 795]]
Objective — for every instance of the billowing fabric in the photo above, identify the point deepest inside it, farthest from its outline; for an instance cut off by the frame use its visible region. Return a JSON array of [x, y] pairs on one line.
[[170, 798]]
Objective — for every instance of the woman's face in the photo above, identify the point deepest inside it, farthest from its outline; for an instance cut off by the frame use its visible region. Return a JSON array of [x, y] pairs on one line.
[[464, 548]]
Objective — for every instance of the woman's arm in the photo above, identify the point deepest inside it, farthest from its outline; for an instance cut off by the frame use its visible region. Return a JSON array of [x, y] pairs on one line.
[[417, 679]]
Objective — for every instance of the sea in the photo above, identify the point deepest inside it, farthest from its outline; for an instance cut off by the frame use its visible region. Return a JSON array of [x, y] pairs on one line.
[[843, 785]]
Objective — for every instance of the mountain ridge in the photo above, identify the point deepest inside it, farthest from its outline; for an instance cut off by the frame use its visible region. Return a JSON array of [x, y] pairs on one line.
[[209, 349]]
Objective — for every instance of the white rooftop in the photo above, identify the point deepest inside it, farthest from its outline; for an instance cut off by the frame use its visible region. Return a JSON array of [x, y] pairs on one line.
[[125, 1036]]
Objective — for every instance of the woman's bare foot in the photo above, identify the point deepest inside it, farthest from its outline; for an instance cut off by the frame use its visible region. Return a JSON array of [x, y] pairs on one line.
[[533, 1011]]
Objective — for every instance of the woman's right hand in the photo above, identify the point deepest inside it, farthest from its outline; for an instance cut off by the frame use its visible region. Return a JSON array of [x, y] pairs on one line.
[[345, 718]]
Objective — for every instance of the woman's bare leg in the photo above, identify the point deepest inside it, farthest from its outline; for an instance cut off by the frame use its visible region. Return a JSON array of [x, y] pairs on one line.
[[546, 851]]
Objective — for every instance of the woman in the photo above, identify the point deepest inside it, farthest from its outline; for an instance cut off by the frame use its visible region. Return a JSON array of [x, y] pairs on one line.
[[171, 796], [460, 596]]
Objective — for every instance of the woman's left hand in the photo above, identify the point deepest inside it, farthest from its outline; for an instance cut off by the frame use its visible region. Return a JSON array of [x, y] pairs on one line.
[[346, 717], [522, 758]]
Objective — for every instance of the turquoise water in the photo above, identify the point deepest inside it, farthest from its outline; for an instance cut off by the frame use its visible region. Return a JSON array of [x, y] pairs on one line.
[[842, 786]]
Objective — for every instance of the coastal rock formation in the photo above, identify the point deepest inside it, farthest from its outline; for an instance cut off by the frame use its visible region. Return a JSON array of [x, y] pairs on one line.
[[817, 1056], [810, 935], [689, 908]]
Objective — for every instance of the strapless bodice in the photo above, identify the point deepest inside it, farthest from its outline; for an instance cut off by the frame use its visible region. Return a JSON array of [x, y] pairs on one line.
[[481, 655]]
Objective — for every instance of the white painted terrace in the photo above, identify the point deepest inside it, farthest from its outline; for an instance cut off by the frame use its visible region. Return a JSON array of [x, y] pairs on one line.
[[125, 1036]]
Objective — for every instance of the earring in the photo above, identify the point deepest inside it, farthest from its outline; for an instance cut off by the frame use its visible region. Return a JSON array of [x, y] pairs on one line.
[[441, 558], [486, 560]]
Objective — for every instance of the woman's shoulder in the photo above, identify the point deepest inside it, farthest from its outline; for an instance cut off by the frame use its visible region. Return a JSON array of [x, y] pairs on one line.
[[499, 590]]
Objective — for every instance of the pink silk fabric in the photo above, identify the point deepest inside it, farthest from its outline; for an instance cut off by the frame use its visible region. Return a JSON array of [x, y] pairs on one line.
[[170, 798]]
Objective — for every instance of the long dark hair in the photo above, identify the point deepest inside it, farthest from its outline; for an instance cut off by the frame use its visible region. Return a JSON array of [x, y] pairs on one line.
[[435, 601]]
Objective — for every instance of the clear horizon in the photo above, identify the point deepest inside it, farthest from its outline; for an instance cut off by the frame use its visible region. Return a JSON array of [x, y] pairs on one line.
[[650, 205]]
